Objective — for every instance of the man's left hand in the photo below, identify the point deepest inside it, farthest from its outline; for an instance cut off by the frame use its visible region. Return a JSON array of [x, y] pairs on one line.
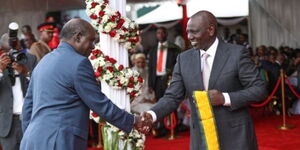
[[216, 97]]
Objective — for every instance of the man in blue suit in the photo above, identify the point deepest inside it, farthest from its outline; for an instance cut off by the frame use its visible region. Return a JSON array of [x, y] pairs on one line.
[[61, 92]]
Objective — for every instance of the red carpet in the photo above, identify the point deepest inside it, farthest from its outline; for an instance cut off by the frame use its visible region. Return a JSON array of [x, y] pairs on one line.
[[268, 136], [179, 143], [271, 138]]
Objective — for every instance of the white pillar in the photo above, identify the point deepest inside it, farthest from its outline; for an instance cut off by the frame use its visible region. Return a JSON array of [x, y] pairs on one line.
[[113, 49]]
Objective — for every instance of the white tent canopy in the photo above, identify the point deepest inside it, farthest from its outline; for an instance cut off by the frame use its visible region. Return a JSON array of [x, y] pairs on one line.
[[169, 11]]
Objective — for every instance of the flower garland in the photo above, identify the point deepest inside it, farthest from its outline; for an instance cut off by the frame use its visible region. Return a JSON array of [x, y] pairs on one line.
[[112, 23], [106, 69]]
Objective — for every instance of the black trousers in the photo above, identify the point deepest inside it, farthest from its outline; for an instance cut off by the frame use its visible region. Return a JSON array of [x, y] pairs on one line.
[[161, 84]]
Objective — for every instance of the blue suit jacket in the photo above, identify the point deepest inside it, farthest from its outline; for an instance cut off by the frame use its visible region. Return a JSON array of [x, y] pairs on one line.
[[56, 108]]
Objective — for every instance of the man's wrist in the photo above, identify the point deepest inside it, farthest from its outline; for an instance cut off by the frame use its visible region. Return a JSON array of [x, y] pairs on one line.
[[153, 115], [227, 101], [1, 74]]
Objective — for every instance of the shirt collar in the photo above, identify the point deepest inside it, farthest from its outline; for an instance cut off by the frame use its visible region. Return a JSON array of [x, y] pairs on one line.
[[212, 49], [165, 43]]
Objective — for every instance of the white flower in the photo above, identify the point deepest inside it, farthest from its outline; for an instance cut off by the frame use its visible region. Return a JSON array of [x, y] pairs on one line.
[[101, 62], [129, 90], [99, 1], [109, 11], [97, 8], [111, 24], [136, 74], [127, 44], [88, 4], [121, 32], [107, 28], [126, 24], [132, 25], [140, 143], [136, 88], [107, 76], [123, 80], [105, 18]]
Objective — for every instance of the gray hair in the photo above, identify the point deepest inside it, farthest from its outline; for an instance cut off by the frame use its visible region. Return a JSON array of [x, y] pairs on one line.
[[73, 27]]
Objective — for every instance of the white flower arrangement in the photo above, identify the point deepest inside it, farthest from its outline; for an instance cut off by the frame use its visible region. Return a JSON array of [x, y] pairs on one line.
[[106, 69]]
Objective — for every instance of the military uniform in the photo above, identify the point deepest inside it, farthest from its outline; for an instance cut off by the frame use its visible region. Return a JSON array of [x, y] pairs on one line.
[[40, 49]]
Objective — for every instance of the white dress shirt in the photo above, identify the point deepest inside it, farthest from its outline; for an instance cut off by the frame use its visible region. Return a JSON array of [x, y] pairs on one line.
[[165, 53], [212, 52], [17, 97]]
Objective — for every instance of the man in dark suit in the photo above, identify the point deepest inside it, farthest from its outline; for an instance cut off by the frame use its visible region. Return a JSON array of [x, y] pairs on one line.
[[161, 62], [61, 92], [233, 84], [13, 84]]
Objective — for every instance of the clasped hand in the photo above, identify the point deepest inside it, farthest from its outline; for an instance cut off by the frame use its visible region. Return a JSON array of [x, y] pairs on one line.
[[143, 123], [216, 97]]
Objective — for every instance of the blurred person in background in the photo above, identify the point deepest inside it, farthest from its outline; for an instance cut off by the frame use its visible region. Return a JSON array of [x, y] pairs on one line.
[[13, 85], [40, 48], [146, 99], [55, 39]]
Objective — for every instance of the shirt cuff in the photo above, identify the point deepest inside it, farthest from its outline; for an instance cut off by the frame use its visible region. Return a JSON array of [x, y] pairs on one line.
[[152, 113], [227, 99], [1, 75]]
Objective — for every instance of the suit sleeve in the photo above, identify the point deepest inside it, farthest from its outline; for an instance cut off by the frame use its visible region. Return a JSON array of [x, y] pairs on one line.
[[254, 87], [90, 92], [173, 95], [27, 107]]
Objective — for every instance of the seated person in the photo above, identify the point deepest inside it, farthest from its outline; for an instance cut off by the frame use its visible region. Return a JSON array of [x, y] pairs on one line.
[[146, 99]]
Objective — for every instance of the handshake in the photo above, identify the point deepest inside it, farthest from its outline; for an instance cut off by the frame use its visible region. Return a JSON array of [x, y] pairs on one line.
[[143, 123]]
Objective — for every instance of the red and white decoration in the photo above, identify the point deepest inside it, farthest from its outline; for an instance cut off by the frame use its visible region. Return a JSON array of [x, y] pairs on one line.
[[112, 23]]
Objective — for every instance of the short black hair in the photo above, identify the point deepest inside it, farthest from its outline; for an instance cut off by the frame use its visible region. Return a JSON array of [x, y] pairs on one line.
[[162, 28]]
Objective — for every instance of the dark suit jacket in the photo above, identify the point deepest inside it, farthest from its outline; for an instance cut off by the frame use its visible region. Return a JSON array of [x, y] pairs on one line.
[[173, 51], [6, 96], [232, 72], [61, 92]]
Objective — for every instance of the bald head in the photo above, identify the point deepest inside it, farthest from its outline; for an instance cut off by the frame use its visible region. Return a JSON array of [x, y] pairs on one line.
[[202, 30], [73, 27], [80, 35], [206, 17]]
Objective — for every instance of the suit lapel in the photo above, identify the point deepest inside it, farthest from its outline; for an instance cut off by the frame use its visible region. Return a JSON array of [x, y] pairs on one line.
[[198, 74], [219, 61]]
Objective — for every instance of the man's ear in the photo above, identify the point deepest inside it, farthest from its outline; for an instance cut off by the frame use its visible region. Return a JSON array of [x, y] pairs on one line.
[[78, 37], [211, 30]]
